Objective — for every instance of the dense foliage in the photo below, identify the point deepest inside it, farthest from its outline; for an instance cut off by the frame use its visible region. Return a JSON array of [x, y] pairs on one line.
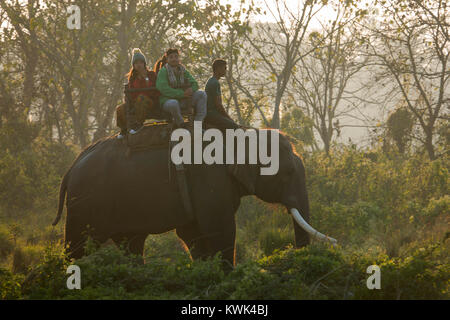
[[315, 272], [383, 208]]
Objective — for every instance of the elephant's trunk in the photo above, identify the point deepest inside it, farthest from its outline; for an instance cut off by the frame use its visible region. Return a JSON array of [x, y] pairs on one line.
[[305, 226]]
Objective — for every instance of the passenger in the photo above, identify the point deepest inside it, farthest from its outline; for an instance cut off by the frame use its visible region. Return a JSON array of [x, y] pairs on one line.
[[140, 76], [178, 88], [217, 116]]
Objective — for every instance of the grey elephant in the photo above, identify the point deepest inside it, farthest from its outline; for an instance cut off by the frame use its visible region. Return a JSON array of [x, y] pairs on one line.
[[116, 194]]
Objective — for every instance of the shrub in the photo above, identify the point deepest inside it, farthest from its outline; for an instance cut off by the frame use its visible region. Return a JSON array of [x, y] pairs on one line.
[[9, 285], [6, 243], [313, 272], [47, 279], [25, 257], [423, 273], [272, 239]]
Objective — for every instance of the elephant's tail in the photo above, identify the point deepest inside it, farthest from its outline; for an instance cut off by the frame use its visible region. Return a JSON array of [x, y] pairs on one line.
[[62, 196]]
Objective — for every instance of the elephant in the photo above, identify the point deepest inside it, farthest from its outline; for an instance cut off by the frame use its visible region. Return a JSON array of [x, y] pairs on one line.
[[125, 196]]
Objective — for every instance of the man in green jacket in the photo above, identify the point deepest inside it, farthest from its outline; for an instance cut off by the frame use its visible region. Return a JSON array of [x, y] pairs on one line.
[[178, 88]]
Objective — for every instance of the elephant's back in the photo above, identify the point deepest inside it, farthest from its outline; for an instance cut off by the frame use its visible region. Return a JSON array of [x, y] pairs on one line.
[[129, 188], [110, 165], [94, 162]]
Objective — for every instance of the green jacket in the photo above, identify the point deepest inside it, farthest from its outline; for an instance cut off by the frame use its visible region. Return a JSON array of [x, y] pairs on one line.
[[167, 92]]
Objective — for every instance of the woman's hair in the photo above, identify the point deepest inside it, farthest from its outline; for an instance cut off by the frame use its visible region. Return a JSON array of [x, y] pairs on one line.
[[132, 74], [163, 60]]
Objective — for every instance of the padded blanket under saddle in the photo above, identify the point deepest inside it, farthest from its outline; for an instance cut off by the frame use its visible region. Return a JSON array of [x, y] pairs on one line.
[[155, 135], [150, 136]]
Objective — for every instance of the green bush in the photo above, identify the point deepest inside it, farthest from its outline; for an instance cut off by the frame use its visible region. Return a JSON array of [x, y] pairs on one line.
[[25, 257], [437, 207], [423, 273], [272, 239], [6, 243], [10, 287], [47, 279], [163, 245], [314, 272]]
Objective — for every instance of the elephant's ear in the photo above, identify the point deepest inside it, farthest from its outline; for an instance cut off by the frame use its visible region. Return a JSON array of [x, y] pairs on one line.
[[246, 175]]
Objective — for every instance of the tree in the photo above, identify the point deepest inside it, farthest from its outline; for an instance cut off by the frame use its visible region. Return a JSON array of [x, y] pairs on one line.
[[220, 34], [300, 127], [22, 18], [399, 127], [123, 28], [150, 25], [412, 53], [273, 49], [72, 79], [326, 83]]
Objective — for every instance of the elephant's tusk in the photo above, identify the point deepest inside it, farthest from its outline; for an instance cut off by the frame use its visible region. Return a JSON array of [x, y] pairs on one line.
[[313, 232]]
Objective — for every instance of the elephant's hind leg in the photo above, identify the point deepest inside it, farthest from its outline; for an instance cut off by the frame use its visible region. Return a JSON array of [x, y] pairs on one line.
[[134, 242], [75, 246], [75, 237]]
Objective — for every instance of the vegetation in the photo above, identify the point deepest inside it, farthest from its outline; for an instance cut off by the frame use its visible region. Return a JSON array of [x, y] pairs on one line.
[[315, 272], [384, 209], [385, 199]]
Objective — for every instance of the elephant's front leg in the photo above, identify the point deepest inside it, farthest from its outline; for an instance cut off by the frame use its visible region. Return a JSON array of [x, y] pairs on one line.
[[215, 202], [195, 244], [207, 242], [223, 240]]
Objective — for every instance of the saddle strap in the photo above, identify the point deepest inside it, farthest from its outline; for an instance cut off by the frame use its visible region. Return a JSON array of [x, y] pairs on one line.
[[182, 182], [184, 192]]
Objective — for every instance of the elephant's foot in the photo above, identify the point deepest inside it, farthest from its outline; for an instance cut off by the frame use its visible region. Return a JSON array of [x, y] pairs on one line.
[[194, 244], [132, 242], [228, 259], [207, 246]]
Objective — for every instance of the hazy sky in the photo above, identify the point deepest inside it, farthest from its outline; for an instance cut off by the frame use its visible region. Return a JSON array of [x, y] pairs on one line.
[[325, 13], [357, 134]]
